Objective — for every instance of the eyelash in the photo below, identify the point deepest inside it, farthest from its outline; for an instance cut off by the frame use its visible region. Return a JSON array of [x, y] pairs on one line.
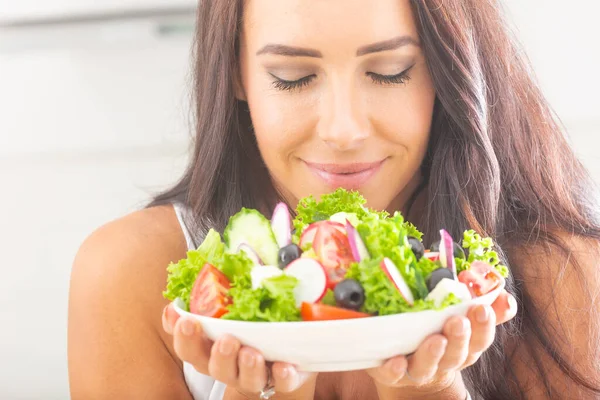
[[289, 86]]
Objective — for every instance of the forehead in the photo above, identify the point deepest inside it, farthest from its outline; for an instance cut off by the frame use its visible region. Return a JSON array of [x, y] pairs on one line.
[[326, 24]]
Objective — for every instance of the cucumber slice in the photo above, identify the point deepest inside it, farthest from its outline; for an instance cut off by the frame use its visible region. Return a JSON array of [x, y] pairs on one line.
[[251, 227]]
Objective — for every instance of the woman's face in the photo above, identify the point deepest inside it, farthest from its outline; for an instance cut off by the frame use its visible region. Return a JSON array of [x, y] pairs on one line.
[[339, 94]]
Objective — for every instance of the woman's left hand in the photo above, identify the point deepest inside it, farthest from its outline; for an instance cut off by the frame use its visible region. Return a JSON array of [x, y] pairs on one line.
[[435, 364]]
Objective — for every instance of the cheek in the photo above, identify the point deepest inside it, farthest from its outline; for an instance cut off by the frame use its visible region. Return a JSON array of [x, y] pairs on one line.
[[404, 116], [280, 125]]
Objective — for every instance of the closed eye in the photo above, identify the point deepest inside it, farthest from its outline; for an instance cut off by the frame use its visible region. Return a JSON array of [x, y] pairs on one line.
[[282, 84], [400, 78]]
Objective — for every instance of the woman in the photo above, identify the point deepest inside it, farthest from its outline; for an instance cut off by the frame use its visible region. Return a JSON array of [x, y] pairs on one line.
[[426, 107]]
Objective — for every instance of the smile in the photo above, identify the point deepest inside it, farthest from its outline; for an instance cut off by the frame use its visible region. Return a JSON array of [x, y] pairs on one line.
[[348, 176]]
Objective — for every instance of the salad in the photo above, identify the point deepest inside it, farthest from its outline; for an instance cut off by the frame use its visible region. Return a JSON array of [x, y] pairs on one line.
[[336, 259]]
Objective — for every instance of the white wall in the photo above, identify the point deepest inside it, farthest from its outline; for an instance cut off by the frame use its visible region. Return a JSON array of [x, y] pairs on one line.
[[95, 119]]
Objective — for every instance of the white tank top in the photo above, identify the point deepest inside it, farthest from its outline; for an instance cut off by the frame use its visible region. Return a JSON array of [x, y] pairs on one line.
[[202, 387]]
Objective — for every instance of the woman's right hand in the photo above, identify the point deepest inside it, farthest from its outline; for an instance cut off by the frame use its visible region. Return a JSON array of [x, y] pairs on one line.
[[227, 361]]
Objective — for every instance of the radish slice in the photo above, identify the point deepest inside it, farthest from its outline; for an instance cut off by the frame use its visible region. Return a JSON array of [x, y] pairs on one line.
[[281, 224], [259, 273], [396, 277], [253, 255], [312, 280], [447, 252], [359, 250], [432, 255]]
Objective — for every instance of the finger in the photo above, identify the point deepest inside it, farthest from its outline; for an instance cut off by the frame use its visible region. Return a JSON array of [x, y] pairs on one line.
[[423, 364], [390, 373], [191, 345], [287, 378], [169, 318], [458, 333], [223, 362], [483, 327], [505, 307], [252, 368]]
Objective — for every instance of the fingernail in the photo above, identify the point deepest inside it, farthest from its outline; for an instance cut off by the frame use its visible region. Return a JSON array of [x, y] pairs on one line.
[[249, 360], [188, 327], [512, 303], [285, 372], [459, 327], [398, 367], [437, 348], [482, 314], [226, 347]]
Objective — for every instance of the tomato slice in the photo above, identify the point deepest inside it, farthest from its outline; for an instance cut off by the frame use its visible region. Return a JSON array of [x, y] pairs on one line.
[[332, 248], [322, 312], [209, 294], [481, 278]]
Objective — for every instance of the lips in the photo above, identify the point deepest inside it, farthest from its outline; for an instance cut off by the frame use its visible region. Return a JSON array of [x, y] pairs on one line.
[[344, 169], [349, 176]]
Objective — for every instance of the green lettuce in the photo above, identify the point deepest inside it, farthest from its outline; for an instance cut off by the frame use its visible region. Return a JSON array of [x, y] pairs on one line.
[[389, 238], [480, 249], [310, 210], [182, 275], [382, 297], [272, 302]]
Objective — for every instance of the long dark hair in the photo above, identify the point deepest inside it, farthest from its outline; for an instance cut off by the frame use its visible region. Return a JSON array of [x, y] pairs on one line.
[[509, 171]]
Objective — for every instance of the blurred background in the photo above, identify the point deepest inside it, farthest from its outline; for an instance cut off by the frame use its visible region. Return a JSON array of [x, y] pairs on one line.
[[94, 118]]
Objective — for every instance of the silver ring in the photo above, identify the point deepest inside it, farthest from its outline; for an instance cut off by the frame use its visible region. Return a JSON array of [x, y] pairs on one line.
[[269, 390]]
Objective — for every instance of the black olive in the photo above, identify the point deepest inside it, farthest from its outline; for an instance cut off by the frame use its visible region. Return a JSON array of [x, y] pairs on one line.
[[349, 294], [436, 276], [459, 252], [288, 254], [417, 247]]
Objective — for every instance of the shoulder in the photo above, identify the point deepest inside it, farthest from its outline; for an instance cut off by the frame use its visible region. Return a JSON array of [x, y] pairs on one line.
[[115, 306], [131, 252]]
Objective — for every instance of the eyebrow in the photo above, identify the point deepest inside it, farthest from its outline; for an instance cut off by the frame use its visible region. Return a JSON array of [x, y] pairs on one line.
[[291, 51], [386, 45]]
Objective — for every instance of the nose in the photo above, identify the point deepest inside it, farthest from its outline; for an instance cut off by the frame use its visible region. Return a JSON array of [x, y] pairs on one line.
[[344, 122]]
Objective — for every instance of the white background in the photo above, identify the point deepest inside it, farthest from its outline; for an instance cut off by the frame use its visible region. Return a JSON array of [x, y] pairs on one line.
[[94, 118]]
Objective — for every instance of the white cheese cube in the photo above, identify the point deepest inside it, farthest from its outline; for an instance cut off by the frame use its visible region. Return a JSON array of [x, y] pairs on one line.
[[447, 286]]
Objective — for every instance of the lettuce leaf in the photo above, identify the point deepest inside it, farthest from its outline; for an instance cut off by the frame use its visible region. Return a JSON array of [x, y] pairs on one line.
[[382, 297], [182, 275], [389, 238], [273, 302], [480, 249], [310, 210]]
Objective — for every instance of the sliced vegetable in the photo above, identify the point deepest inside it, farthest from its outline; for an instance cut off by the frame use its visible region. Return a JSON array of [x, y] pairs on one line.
[[252, 255], [432, 255], [322, 312], [310, 232], [359, 250], [281, 224], [209, 293], [342, 217], [392, 272], [447, 251], [333, 251], [312, 280], [260, 273], [251, 227]]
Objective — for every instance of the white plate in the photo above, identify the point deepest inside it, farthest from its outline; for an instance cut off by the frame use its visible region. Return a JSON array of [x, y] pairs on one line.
[[341, 345]]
